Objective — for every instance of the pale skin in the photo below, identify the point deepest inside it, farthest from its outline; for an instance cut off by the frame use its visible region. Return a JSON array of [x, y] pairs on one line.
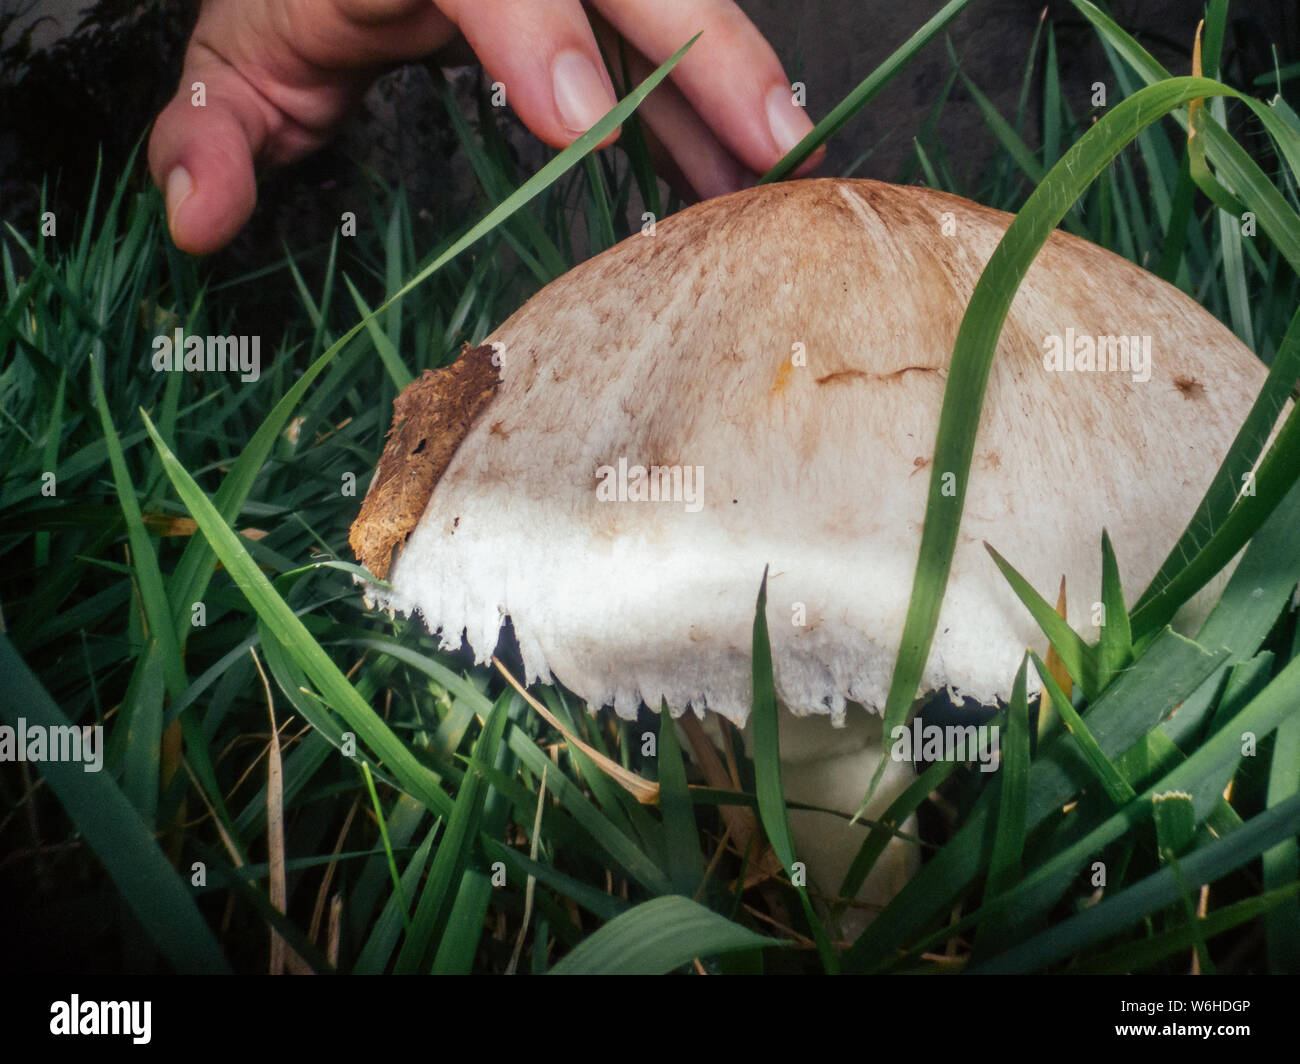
[[280, 75]]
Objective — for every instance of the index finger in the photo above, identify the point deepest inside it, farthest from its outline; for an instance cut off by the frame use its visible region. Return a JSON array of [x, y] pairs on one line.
[[732, 77]]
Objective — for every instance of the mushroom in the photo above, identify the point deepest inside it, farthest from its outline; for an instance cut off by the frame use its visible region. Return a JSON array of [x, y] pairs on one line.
[[758, 384]]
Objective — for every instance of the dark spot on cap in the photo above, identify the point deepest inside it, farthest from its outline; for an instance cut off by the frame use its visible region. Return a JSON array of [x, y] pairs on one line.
[[1190, 387]]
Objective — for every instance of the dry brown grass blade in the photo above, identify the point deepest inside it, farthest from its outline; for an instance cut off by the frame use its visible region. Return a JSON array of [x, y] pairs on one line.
[[1046, 714], [741, 823], [226, 840], [163, 524], [643, 790], [321, 895], [784, 928], [335, 931], [1194, 108], [170, 764], [714, 861], [282, 957], [531, 885]]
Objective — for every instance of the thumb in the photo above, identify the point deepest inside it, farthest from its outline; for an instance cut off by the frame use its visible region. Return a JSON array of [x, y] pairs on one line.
[[201, 156]]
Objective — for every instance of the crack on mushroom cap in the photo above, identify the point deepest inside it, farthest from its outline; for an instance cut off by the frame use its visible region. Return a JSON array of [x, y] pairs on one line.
[[847, 376]]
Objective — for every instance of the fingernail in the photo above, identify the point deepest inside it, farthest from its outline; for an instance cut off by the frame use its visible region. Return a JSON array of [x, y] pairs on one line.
[[787, 121], [581, 96], [179, 187]]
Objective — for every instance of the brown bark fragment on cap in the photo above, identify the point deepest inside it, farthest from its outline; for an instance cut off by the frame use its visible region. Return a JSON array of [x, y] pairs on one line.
[[430, 418]]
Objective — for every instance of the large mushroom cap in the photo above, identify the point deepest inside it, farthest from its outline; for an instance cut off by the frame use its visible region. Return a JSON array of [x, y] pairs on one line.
[[782, 353]]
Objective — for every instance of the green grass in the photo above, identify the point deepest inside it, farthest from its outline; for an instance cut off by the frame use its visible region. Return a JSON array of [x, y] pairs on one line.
[[190, 522]]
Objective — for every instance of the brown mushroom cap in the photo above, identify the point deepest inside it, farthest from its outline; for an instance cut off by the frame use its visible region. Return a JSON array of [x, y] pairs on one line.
[[788, 346]]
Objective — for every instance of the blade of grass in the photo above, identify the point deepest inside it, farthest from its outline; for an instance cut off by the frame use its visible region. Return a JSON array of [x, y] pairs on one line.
[[398, 891], [1001, 129], [1115, 645], [1174, 816], [1013, 808], [1198, 776], [657, 937], [1135, 956], [1129, 708], [1155, 892], [392, 361], [1079, 659], [1256, 594], [681, 836], [112, 828], [973, 355], [625, 853], [767, 772], [1114, 784], [338, 692], [142, 719], [1281, 864], [643, 790], [374, 956], [451, 856], [597, 902], [889, 823], [1051, 102], [460, 941], [1236, 168], [862, 95]]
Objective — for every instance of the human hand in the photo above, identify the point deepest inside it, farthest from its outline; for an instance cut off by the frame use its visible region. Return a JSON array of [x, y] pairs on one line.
[[279, 76]]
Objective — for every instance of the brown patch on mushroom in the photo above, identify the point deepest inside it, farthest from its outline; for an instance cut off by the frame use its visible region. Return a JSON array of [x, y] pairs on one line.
[[782, 378], [430, 418], [1190, 387]]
